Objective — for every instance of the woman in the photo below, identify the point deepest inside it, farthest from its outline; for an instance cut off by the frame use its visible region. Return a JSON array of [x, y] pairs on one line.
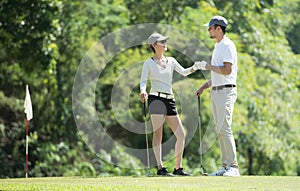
[[159, 69]]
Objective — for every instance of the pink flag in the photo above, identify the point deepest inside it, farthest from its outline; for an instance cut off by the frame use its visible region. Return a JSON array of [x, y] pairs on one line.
[[28, 105]]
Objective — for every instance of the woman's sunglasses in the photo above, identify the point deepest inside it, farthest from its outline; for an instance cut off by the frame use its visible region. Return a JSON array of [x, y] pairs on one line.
[[162, 42]]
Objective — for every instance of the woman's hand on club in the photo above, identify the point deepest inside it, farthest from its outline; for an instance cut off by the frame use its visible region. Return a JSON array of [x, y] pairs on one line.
[[143, 96]]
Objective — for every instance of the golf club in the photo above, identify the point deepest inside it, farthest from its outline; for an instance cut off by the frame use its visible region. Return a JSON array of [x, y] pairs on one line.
[[147, 146], [200, 139]]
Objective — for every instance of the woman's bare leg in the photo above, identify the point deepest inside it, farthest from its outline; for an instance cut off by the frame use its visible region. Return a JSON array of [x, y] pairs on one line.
[[157, 123], [178, 130]]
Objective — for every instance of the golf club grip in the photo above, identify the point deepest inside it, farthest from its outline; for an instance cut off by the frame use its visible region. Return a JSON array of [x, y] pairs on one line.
[[199, 105], [144, 108]]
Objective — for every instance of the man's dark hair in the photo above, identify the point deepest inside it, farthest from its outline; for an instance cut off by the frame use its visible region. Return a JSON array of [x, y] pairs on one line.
[[222, 27]]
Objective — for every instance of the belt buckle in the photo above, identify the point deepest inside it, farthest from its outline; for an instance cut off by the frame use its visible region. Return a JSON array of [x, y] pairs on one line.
[[166, 96], [163, 95]]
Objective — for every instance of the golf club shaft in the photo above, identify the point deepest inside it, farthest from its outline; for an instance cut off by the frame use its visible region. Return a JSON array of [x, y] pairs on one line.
[[147, 145], [200, 135]]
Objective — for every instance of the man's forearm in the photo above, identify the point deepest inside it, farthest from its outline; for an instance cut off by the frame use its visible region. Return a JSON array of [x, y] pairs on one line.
[[207, 84], [224, 70]]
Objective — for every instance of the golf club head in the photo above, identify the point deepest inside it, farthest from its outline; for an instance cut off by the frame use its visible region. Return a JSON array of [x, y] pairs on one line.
[[149, 174], [203, 171]]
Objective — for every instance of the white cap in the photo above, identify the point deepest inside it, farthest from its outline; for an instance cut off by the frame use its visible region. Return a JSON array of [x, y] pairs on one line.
[[155, 37]]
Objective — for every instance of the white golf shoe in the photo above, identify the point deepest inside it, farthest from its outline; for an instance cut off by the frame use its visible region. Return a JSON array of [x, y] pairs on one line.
[[231, 171], [219, 172]]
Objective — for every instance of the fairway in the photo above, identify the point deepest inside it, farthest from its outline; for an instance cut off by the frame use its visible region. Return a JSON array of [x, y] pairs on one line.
[[266, 183]]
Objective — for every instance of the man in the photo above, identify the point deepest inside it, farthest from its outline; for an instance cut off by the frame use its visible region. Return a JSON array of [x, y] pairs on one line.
[[223, 69]]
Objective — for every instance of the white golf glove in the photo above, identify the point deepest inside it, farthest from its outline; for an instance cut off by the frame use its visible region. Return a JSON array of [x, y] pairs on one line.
[[199, 65]]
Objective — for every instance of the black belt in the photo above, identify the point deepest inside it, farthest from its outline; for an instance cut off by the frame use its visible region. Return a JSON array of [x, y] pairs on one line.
[[223, 86]]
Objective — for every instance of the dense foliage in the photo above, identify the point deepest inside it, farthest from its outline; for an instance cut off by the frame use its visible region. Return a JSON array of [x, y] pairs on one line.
[[43, 44]]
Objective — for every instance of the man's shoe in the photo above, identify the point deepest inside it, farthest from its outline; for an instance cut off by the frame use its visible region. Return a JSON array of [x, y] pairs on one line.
[[180, 172], [219, 172], [232, 171], [163, 172]]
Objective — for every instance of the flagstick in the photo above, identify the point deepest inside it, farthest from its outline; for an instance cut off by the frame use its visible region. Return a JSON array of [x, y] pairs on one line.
[[26, 148], [29, 116]]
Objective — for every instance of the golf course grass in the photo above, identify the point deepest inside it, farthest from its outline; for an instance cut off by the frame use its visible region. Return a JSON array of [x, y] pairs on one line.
[[265, 183]]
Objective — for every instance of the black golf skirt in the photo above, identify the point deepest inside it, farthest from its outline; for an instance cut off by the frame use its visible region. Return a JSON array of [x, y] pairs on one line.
[[159, 105]]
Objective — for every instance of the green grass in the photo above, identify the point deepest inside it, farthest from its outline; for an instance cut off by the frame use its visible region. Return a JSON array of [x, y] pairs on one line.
[[265, 183]]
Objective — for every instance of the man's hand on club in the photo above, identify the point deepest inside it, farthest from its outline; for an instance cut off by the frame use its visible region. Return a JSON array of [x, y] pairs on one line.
[[200, 65], [199, 92]]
